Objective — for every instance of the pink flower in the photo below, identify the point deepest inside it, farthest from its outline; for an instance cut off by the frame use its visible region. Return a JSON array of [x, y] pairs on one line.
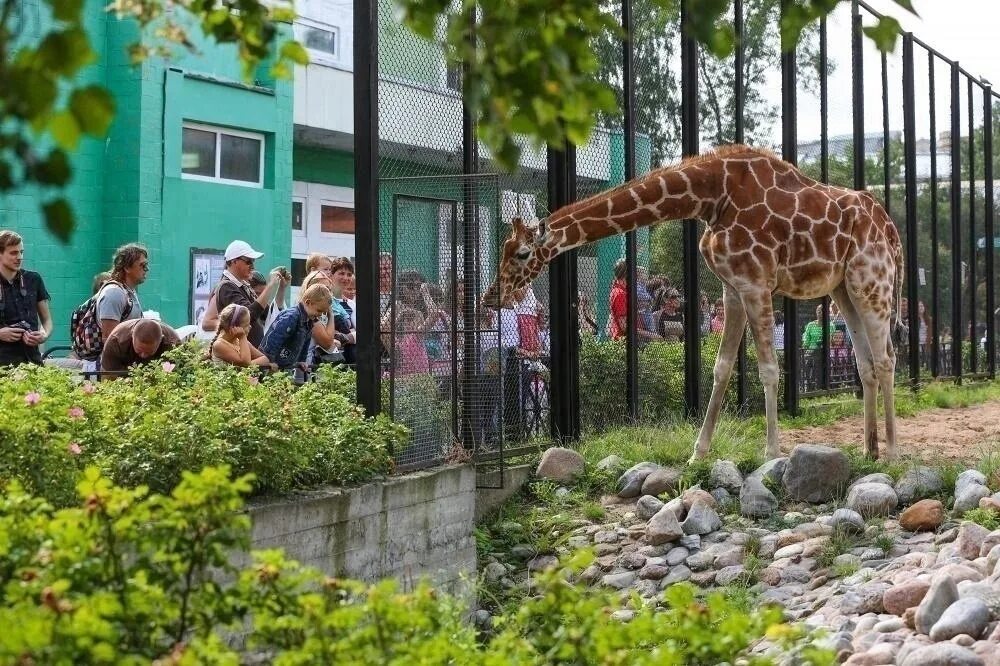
[[33, 398], [168, 366], [253, 380], [89, 388], [76, 412], [74, 448]]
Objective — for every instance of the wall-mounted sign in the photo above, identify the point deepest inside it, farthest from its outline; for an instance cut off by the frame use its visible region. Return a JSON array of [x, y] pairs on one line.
[[206, 270]]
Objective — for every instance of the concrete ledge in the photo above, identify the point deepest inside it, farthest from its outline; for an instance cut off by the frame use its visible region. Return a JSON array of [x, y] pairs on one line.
[[412, 526], [513, 479]]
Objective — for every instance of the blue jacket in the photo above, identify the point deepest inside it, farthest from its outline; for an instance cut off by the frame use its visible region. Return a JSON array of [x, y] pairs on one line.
[[287, 341]]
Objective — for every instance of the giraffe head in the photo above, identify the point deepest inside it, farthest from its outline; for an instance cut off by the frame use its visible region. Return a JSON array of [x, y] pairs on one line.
[[522, 258]]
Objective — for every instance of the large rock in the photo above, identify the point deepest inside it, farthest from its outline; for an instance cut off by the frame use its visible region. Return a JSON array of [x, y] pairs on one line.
[[630, 482], [872, 499], [756, 501], [660, 481], [701, 519], [877, 477], [965, 616], [647, 507], [918, 483], [942, 593], [663, 527], [968, 497], [771, 471], [969, 477], [693, 495], [988, 593], [942, 654], [816, 473], [847, 521], [726, 475], [559, 464], [924, 516], [970, 539], [905, 595]]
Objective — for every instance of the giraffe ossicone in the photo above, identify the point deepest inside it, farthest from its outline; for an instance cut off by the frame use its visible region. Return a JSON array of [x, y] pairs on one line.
[[770, 230]]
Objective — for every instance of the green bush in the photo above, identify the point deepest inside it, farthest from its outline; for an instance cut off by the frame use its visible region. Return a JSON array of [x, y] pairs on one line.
[[151, 427], [129, 578], [661, 380]]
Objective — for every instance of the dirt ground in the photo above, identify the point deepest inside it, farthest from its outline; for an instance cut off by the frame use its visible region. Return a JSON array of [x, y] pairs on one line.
[[951, 434]]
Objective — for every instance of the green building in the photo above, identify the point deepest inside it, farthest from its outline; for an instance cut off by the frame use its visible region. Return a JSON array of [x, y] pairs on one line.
[[196, 157]]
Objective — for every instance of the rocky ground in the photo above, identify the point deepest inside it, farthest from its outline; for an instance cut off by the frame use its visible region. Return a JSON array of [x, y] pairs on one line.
[[889, 571]]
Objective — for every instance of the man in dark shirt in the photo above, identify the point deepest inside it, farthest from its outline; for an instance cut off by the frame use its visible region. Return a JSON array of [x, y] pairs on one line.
[[25, 320], [235, 287], [137, 342], [671, 322]]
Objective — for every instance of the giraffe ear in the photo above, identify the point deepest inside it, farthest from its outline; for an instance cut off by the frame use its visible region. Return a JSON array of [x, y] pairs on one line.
[[519, 227], [541, 233]]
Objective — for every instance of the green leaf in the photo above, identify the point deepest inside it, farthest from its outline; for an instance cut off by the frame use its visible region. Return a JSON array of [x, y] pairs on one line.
[[295, 52], [66, 52], [884, 33], [93, 108], [6, 177], [65, 130], [66, 10], [54, 170], [59, 219], [907, 5]]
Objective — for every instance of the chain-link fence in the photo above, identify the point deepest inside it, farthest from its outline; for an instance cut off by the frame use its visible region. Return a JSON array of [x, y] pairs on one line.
[[630, 325]]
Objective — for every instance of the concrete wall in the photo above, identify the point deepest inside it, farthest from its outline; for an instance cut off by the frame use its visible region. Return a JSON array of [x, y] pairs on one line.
[[407, 527]]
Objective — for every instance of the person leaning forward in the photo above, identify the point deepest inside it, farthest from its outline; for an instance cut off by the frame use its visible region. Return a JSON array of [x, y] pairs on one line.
[[235, 287], [137, 342]]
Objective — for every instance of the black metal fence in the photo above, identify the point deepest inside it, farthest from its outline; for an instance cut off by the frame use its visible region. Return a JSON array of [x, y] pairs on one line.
[[912, 127]]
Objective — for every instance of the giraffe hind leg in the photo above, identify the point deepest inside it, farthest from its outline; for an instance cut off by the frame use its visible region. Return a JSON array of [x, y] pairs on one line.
[[865, 361]]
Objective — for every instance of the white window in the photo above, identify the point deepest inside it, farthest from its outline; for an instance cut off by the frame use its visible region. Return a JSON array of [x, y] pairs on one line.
[[320, 39], [222, 155]]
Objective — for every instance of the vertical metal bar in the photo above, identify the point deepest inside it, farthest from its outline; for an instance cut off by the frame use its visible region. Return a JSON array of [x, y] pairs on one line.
[[886, 152], [369, 356], [973, 338], [572, 342], [956, 224], [470, 272], [393, 300], [935, 335], [910, 158], [563, 321], [789, 153], [858, 94], [631, 251], [689, 146], [739, 92], [991, 342], [824, 170]]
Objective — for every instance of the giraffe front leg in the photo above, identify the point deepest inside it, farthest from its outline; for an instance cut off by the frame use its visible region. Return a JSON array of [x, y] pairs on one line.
[[760, 312], [732, 333]]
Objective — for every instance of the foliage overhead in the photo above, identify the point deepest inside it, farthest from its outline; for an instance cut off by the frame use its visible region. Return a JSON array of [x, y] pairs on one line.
[[533, 65], [44, 108]]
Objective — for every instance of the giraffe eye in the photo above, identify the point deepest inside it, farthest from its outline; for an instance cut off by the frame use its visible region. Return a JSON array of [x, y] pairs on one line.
[[523, 254]]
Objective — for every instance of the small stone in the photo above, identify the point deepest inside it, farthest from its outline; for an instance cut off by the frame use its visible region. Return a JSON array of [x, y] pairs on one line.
[[816, 473], [968, 478], [663, 480], [493, 572], [905, 595], [632, 561], [965, 616], [970, 539], [918, 483], [991, 503], [654, 572], [522, 551], [619, 581], [726, 475], [663, 527], [703, 578], [692, 495], [630, 482], [848, 521], [756, 501], [610, 463], [940, 654], [677, 556], [482, 619], [959, 573], [910, 617], [947, 536], [559, 464], [872, 499], [864, 599], [992, 539], [542, 562], [722, 496], [606, 536], [727, 575], [924, 516], [677, 574], [847, 560], [788, 537], [889, 626], [942, 593], [690, 541], [877, 477], [700, 561], [728, 556], [623, 615], [968, 498], [647, 507], [701, 519], [591, 573], [789, 551], [965, 640], [603, 549]]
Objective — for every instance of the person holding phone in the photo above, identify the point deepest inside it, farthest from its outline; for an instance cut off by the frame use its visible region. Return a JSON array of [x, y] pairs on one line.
[[25, 319]]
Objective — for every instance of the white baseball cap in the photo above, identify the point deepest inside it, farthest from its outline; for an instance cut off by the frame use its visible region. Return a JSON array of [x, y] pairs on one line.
[[239, 249]]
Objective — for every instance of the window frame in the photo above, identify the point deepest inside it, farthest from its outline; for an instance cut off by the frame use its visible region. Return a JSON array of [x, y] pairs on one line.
[[317, 57], [219, 131]]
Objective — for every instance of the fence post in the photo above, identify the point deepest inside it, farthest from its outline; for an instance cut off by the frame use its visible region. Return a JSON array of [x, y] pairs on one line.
[[789, 153], [910, 159], [369, 356], [689, 146], [991, 343], [471, 272], [956, 225], [631, 251], [935, 336], [973, 337], [739, 61], [858, 94]]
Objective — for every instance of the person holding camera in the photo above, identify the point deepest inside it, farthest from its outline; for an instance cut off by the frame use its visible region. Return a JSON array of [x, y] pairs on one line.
[[25, 320], [235, 287]]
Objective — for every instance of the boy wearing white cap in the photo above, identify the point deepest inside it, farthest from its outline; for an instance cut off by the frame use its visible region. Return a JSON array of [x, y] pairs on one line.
[[235, 287]]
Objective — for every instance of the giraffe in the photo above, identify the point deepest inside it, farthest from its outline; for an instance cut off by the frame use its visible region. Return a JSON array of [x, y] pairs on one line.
[[770, 230]]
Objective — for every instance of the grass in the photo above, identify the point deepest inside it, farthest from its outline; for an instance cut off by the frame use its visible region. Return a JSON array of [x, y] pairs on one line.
[[985, 517]]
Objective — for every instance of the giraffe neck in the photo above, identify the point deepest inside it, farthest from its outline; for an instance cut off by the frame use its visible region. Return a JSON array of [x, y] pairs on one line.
[[686, 191]]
